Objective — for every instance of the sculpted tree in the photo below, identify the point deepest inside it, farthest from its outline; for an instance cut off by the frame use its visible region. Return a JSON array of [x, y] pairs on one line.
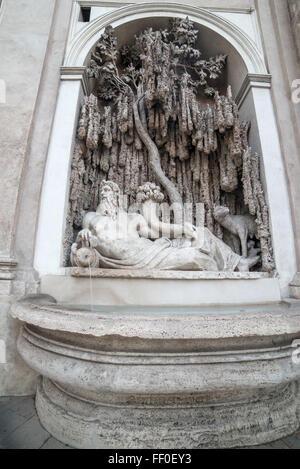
[[156, 79], [155, 116]]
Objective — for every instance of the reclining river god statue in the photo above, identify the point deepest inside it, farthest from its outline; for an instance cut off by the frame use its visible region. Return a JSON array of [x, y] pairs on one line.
[[115, 239]]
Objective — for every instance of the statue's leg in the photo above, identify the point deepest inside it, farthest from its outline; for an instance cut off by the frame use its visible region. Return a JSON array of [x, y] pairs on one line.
[[243, 238], [188, 259], [222, 254], [246, 264]]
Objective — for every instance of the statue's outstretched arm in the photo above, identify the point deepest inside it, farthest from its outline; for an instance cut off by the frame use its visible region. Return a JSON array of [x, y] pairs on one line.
[[150, 195], [168, 230], [145, 230]]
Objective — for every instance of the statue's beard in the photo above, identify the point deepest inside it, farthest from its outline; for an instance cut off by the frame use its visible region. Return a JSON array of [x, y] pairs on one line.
[[107, 208]]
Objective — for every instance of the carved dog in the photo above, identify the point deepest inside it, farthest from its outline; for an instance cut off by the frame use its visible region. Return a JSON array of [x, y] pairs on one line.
[[239, 225]]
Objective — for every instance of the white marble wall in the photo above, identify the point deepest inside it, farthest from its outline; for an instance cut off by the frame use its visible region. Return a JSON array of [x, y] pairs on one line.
[[32, 41]]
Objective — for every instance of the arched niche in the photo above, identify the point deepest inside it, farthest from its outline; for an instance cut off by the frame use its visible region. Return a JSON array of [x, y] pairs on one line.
[[247, 74], [84, 41]]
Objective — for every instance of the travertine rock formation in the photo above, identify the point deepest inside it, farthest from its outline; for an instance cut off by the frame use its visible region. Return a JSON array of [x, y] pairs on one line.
[[155, 116]]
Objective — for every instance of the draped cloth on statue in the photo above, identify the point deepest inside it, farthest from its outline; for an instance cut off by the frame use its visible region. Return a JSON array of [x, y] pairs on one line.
[[166, 254]]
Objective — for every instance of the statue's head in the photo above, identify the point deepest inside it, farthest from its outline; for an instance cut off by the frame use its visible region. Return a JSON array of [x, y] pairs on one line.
[[149, 191], [109, 198]]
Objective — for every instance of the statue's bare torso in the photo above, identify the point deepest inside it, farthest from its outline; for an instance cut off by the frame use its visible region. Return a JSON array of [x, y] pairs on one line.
[[122, 226]]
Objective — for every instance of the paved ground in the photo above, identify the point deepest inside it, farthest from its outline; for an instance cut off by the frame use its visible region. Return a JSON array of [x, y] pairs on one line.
[[20, 428]]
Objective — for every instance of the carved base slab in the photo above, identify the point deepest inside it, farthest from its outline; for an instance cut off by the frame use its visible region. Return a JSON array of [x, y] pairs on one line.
[[165, 274], [157, 288]]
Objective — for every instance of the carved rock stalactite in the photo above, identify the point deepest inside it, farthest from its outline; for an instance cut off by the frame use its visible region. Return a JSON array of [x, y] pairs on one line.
[[147, 121], [255, 200]]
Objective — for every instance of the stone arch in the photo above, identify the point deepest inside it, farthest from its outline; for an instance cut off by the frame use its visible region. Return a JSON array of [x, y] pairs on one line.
[[85, 40]]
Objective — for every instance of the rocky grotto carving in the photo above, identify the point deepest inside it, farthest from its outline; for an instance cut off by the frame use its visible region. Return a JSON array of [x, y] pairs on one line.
[[155, 116]]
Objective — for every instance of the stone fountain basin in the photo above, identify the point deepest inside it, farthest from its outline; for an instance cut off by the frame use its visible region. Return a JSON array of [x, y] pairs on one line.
[[156, 371]]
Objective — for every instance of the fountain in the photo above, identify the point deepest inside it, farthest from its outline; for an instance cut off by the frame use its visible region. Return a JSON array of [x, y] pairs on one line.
[[163, 328]]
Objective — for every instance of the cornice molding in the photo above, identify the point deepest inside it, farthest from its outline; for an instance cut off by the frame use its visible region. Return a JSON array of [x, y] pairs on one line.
[[99, 3], [246, 11], [76, 74], [116, 4], [8, 262], [252, 80], [7, 266]]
